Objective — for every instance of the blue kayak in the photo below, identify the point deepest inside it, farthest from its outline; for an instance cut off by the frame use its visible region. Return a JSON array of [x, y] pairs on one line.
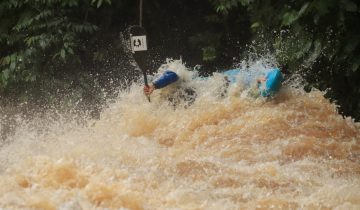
[[272, 85]]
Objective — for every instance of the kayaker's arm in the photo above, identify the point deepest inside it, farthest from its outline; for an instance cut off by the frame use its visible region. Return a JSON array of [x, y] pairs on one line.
[[166, 79]]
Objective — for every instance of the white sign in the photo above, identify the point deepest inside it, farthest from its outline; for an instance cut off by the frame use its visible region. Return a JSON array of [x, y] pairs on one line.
[[138, 43]]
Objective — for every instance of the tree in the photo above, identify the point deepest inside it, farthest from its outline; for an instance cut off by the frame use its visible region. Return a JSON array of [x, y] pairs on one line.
[[39, 36], [319, 39]]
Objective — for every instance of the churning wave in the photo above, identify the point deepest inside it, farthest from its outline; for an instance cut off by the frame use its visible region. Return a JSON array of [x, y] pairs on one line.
[[236, 152]]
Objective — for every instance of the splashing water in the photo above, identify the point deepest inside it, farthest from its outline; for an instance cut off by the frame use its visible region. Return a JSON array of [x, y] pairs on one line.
[[292, 152]]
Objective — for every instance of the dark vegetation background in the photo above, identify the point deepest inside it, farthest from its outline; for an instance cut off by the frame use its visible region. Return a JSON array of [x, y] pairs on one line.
[[68, 53]]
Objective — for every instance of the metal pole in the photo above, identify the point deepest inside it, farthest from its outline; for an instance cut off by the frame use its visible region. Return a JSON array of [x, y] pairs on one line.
[[140, 11]]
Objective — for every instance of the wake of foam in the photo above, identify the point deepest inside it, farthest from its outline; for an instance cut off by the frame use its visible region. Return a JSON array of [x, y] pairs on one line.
[[233, 152]]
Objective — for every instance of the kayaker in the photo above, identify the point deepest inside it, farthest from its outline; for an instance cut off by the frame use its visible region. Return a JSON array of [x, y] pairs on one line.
[[178, 90], [266, 85]]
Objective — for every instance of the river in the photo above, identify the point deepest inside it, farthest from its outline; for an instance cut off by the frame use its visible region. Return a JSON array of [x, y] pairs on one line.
[[237, 152]]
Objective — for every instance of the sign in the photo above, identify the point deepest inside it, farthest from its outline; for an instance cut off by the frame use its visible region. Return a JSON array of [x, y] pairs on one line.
[[138, 43]]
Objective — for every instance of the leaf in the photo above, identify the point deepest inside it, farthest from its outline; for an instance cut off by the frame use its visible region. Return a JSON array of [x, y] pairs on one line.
[[33, 78], [246, 2], [62, 54], [70, 51], [316, 19], [289, 18], [221, 9], [255, 25], [209, 53], [303, 49], [43, 14], [355, 65], [315, 54], [42, 44], [99, 3], [70, 3], [95, 27], [6, 74], [6, 60], [303, 8], [12, 65], [24, 21], [32, 40], [13, 58]]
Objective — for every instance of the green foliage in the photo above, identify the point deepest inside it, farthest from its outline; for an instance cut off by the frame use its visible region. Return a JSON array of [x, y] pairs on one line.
[[224, 6], [209, 42], [37, 33], [209, 53], [313, 24], [318, 38], [98, 3]]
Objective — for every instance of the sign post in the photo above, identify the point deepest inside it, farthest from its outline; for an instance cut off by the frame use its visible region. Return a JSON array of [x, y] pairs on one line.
[[138, 43]]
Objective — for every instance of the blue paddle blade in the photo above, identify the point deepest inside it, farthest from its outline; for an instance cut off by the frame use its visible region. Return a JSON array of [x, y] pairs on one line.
[[273, 82]]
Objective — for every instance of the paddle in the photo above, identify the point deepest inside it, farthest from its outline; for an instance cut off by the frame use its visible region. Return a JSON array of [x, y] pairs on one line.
[[138, 45]]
